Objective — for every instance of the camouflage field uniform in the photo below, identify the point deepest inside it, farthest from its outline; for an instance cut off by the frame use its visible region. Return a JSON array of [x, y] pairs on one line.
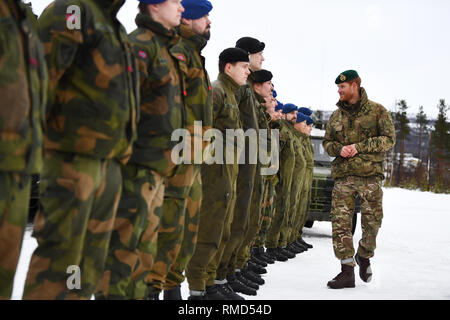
[[288, 167], [134, 240], [260, 182], [219, 192], [23, 89], [244, 186], [91, 124], [369, 126], [178, 188]]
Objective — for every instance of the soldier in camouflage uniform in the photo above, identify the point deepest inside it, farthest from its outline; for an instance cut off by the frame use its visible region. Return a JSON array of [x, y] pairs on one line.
[[91, 124], [358, 134], [178, 233], [23, 90], [219, 182], [134, 240]]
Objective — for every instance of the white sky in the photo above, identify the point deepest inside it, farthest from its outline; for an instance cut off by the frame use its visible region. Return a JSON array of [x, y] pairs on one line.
[[400, 48]]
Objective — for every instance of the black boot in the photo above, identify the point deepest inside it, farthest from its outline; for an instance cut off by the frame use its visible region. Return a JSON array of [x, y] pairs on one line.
[[296, 248], [246, 281], [287, 253], [273, 252], [252, 276], [239, 286], [256, 268], [199, 296], [345, 279], [228, 292], [309, 246], [153, 296], [261, 255], [365, 271], [301, 245], [258, 261], [173, 294], [213, 293]]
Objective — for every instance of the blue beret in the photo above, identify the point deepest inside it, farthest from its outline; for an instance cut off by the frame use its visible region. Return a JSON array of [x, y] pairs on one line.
[[195, 9], [309, 120], [151, 1], [279, 106], [305, 111], [289, 107], [274, 93], [301, 117]]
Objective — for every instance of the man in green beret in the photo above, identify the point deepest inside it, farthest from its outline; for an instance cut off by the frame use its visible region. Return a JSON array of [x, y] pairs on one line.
[[358, 134]]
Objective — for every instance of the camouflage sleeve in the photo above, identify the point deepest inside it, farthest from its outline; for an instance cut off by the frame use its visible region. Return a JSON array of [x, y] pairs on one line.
[[332, 147], [218, 101], [60, 43], [386, 138]]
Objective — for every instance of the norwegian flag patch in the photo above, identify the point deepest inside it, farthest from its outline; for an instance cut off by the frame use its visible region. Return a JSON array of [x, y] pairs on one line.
[[181, 57], [142, 54]]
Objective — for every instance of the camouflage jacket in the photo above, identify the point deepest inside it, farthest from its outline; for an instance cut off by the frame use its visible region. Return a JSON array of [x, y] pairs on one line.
[[286, 148], [23, 89], [162, 87], [93, 83], [198, 99], [370, 127]]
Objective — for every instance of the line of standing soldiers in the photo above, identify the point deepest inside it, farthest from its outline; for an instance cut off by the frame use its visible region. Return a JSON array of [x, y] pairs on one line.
[[92, 110]]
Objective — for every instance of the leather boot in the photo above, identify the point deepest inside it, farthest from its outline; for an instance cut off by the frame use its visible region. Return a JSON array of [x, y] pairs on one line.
[[365, 271], [345, 279], [173, 294]]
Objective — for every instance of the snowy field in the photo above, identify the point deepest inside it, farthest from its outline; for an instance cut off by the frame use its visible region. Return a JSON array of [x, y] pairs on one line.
[[412, 260]]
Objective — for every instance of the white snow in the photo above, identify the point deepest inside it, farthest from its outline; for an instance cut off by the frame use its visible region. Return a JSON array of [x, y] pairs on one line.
[[412, 259]]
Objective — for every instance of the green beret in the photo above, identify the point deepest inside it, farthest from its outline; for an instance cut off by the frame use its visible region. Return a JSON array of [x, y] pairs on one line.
[[261, 76], [346, 76]]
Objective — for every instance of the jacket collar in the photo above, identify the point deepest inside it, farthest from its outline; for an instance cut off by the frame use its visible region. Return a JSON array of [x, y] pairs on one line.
[[358, 106], [228, 81], [196, 40], [145, 21]]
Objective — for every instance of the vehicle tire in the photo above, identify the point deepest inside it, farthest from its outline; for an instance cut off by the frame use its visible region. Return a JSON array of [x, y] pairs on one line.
[[309, 223], [354, 222]]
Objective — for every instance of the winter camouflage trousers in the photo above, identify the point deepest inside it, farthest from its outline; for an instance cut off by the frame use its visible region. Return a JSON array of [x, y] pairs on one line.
[[219, 189], [14, 198], [175, 275], [171, 232], [343, 205], [140, 206], [79, 196]]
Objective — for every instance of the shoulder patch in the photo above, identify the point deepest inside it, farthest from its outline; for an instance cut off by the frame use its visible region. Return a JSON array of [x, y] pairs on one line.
[[181, 57], [142, 54]]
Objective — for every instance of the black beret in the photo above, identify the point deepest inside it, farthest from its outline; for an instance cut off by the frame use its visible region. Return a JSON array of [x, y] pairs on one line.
[[251, 45], [261, 76], [232, 55], [346, 76]]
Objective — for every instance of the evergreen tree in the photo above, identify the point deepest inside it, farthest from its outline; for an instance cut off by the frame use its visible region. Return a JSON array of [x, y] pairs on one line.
[[440, 142], [422, 121], [402, 132]]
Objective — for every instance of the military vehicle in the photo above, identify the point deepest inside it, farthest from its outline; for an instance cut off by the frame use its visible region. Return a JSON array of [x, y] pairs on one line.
[[322, 185]]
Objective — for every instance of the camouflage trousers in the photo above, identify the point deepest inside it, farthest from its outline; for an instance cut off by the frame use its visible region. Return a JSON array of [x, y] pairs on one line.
[[171, 232], [240, 221], [298, 217], [219, 196], [131, 246], [14, 198], [303, 214], [267, 212], [79, 196], [243, 252], [342, 209], [175, 275]]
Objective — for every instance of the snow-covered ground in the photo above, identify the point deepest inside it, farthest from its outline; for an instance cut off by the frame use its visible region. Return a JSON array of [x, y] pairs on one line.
[[412, 260]]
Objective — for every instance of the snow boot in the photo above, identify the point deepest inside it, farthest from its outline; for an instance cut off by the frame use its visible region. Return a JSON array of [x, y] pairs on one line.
[[173, 294], [239, 286], [365, 271], [345, 279], [228, 292]]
